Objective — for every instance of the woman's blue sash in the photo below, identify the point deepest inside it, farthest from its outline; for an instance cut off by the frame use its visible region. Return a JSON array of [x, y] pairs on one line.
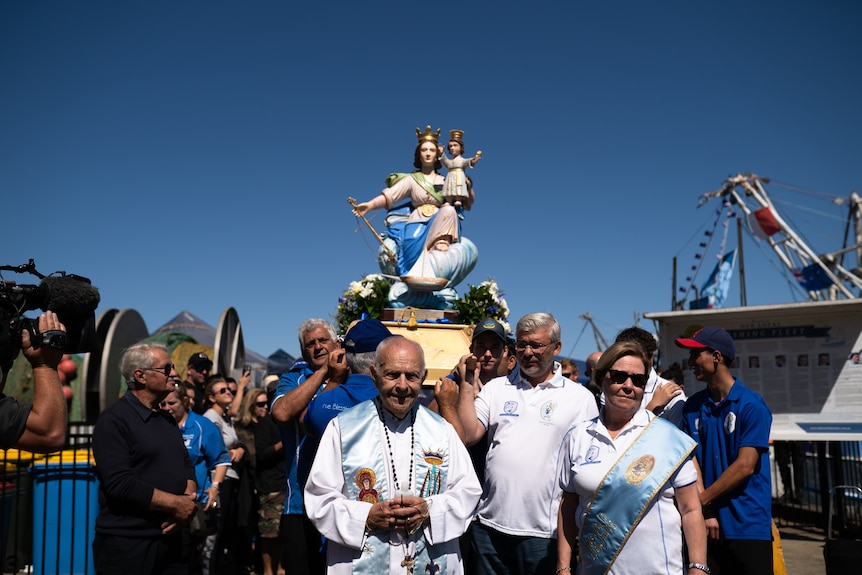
[[627, 490]]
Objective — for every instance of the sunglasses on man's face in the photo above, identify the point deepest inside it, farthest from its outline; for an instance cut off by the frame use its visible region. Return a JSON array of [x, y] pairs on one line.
[[166, 369], [619, 377]]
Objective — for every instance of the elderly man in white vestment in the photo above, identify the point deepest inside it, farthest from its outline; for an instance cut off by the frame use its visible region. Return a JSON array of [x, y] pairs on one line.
[[392, 486]]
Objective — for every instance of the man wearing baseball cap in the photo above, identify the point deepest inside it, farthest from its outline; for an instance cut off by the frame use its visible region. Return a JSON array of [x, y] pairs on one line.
[[488, 347], [731, 426], [489, 353], [197, 370]]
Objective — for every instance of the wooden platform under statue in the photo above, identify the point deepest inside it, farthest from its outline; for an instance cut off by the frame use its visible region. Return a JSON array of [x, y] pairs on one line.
[[443, 343], [403, 314]]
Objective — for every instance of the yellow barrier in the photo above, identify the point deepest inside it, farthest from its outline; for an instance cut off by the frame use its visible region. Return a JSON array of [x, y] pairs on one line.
[[778, 567]]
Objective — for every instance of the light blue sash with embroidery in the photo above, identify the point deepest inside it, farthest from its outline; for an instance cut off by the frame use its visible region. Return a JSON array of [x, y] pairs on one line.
[[367, 479], [627, 490]]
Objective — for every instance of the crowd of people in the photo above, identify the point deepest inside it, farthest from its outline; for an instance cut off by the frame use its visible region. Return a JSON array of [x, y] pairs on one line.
[[345, 464]]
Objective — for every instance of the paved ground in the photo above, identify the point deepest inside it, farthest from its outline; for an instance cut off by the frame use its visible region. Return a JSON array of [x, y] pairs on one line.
[[802, 548], [803, 551]]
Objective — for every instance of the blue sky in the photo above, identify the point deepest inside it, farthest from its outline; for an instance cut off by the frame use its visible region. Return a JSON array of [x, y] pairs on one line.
[[198, 155]]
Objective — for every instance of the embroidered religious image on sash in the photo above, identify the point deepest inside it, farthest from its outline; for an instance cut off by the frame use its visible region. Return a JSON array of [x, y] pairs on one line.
[[365, 479], [639, 469]]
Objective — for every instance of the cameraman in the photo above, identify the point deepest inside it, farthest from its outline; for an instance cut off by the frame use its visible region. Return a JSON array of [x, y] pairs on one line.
[[40, 427]]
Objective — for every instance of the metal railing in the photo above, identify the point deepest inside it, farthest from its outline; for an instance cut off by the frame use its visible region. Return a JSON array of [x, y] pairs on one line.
[[803, 475], [49, 508]]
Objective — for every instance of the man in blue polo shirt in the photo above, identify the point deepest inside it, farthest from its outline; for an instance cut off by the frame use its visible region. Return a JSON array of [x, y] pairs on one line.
[[360, 346], [322, 367], [731, 426]]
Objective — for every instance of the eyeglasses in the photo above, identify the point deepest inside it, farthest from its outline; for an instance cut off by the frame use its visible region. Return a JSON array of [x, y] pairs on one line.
[[537, 347], [224, 390], [166, 369], [260, 403], [619, 377], [569, 375]]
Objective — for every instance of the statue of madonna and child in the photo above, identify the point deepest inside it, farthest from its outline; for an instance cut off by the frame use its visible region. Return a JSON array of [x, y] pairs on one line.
[[423, 248]]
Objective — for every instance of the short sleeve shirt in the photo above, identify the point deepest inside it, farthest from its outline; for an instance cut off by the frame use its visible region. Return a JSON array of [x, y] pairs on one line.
[[742, 419], [526, 426], [13, 416], [292, 436]]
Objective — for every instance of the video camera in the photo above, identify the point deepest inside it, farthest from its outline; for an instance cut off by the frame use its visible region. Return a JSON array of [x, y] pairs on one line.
[[71, 297]]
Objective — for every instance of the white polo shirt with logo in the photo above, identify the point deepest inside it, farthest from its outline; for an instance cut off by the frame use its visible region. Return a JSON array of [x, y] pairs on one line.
[[525, 427]]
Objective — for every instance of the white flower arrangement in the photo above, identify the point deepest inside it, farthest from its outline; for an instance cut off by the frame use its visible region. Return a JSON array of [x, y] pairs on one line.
[[366, 297]]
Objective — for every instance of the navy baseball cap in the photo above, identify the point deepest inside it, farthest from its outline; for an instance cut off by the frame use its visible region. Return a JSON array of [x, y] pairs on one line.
[[200, 362], [492, 325], [710, 337], [365, 336]]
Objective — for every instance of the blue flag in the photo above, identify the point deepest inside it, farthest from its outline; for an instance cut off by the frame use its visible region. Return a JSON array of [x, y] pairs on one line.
[[812, 277], [715, 289]]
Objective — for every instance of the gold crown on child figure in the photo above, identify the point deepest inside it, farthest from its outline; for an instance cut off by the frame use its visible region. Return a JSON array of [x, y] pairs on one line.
[[456, 135], [428, 136]]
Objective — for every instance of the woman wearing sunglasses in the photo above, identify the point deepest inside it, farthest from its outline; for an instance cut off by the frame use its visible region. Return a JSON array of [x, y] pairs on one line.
[[620, 474], [252, 409], [219, 398]]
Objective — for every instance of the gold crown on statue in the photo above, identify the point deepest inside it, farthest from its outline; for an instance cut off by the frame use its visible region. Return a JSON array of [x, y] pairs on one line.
[[456, 135], [428, 136]]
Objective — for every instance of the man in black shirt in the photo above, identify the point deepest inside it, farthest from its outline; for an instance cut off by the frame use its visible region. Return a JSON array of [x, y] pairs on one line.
[[146, 479]]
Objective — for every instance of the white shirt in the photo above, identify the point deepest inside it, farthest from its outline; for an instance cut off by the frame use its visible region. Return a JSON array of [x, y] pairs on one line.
[[526, 426], [228, 435], [673, 410], [655, 545], [342, 520]]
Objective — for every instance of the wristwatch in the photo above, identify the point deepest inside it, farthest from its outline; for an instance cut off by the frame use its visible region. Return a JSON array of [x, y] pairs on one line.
[[700, 566]]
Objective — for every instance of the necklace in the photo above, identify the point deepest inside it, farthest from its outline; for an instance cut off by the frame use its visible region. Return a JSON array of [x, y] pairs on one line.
[[409, 561], [392, 455]]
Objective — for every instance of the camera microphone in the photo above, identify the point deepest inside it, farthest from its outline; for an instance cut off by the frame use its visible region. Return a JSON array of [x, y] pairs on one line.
[[68, 295], [74, 300]]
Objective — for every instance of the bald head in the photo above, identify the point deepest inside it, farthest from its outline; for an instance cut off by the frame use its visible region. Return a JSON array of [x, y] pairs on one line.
[[398, 374]]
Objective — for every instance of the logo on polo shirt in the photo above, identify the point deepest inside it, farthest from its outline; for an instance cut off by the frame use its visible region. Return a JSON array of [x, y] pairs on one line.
[[509, 409], [592, 456], [730, 423], [548, 410]]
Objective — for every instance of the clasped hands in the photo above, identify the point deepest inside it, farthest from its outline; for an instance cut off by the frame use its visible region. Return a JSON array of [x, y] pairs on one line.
[[402, 513]]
